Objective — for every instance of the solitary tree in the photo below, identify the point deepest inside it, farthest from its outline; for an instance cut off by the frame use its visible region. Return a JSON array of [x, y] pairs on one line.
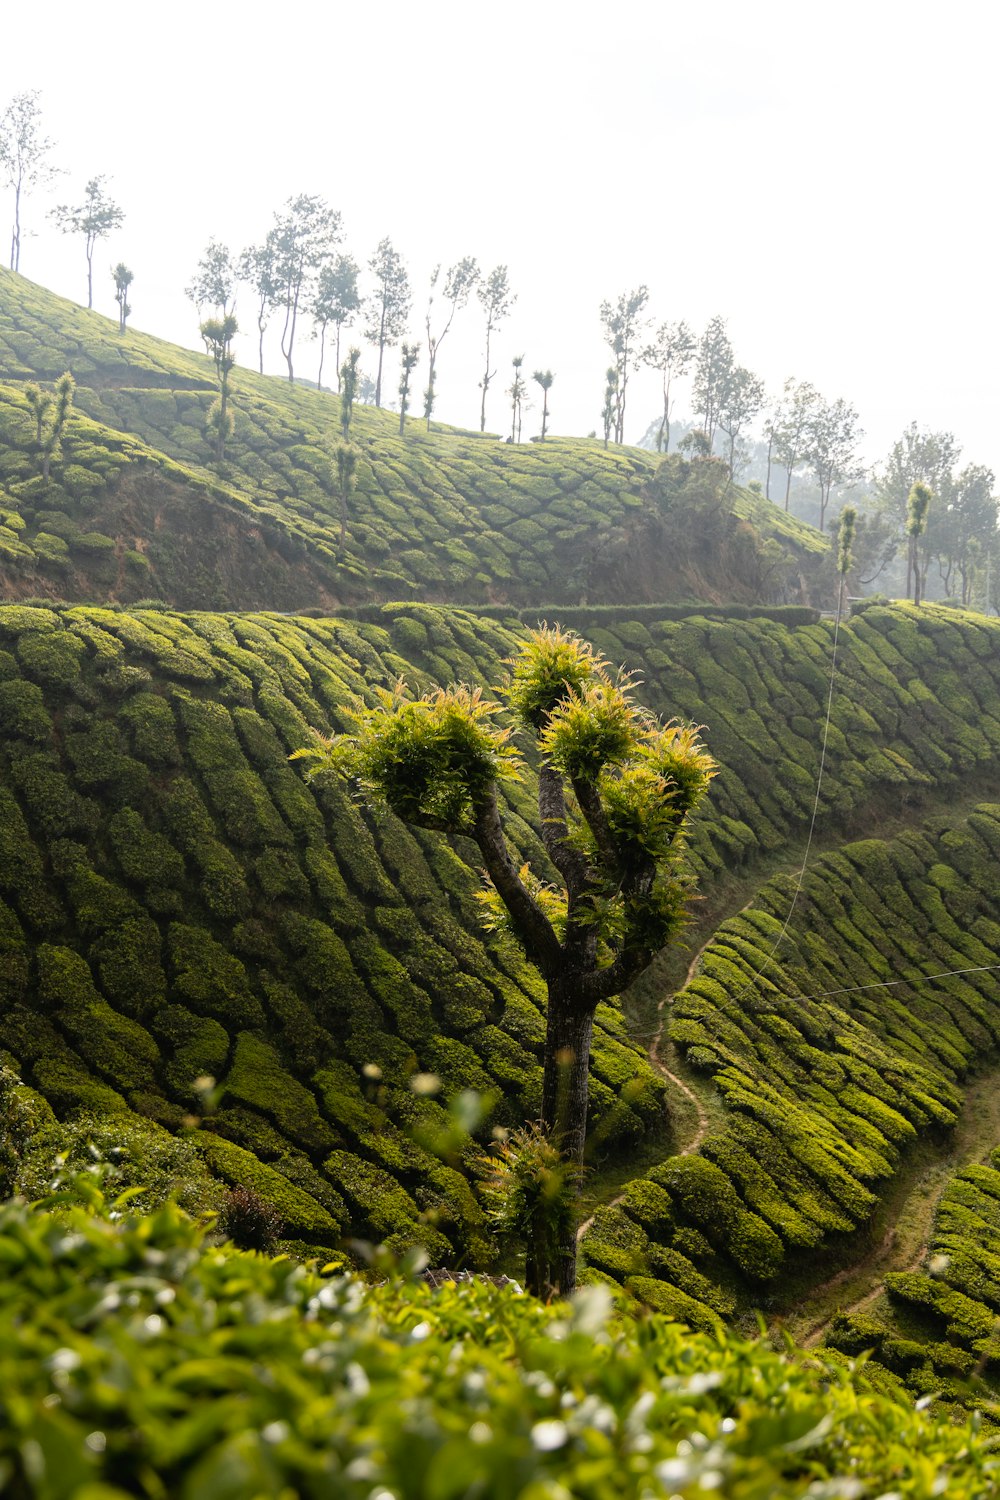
[[410, 353], [670, 352], [791, 425], [388, 306], [459, 284], [306, 233], [544, 378], [516, 392], [258, 267], [94, 218], [218, 334], [610, 402], [24, 157], [123, 279], [740, 398], [832, 448], [214, 281], [846, 528], [615, 789], [917, 507], [335, 301], [496, 299], [623, 323], [713, 369], [50, 413], [349, 377]]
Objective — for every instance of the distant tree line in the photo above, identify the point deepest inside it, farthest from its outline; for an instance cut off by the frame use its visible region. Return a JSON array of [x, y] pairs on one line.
[[300, 274]]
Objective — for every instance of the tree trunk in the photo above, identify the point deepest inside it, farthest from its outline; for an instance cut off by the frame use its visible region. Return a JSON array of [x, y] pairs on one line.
[[909, 567], [788, 485], [767, 483], [381, 356], [15, 238], [90, 278], [564, 1101], [486, 382]]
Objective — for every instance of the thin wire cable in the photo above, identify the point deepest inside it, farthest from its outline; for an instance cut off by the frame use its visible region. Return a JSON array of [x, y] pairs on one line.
[[891, 984], [853, 989], [812, 821]]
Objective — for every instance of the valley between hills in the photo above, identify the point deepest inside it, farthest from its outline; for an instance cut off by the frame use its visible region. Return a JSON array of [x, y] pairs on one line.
[[219, 977]]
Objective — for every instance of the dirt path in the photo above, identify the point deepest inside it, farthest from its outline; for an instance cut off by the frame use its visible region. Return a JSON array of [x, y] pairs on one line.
[[906, 1240], [701, 1115]]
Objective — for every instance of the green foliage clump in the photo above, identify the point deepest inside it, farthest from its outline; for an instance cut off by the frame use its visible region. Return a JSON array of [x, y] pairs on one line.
[[319, 1380]]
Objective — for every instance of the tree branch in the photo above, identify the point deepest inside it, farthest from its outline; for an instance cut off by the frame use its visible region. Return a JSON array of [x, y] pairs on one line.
[[530, 923], [604, 984], [570, 863], [590, 805]]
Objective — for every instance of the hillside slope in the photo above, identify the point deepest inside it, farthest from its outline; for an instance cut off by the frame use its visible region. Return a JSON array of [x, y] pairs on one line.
[[177, 902], [441, 515]]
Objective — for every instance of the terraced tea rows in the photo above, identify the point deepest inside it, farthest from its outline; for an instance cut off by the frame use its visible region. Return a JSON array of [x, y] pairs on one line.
[[444, 515], [178, 902], [826, 1073]]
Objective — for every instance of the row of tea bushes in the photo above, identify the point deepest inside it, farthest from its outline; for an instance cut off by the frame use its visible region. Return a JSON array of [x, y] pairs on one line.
[[829, 1053], [176, 902], [938, 1329], [441, 514]]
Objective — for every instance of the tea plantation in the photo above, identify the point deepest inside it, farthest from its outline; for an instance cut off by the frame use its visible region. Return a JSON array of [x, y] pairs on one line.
[[178, 902], [223, 978], [135, 508]]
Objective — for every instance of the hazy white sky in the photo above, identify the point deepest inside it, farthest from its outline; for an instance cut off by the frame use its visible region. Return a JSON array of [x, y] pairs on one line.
[[823, 177]]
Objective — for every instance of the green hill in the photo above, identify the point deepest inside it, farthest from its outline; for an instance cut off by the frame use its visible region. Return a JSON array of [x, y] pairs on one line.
[[178, 902], [243, 980], [137, 509]]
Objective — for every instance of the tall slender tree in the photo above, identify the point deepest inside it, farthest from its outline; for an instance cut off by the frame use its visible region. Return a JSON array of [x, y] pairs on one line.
[[123, 279], [516, 392], [713, 369], [410, 353], [24, 158], [610, 407], [459, 283], [496, 300], [615, 790], [740, 399], [846, 527], [214, 281], [94, 218], [388, 306], [792, 422], [349, 378], [832, 452], [218, 334], [258, 267], [917, 507], [306, 234], [671, 353], [544, 378], [623, 324], [335, 302]]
